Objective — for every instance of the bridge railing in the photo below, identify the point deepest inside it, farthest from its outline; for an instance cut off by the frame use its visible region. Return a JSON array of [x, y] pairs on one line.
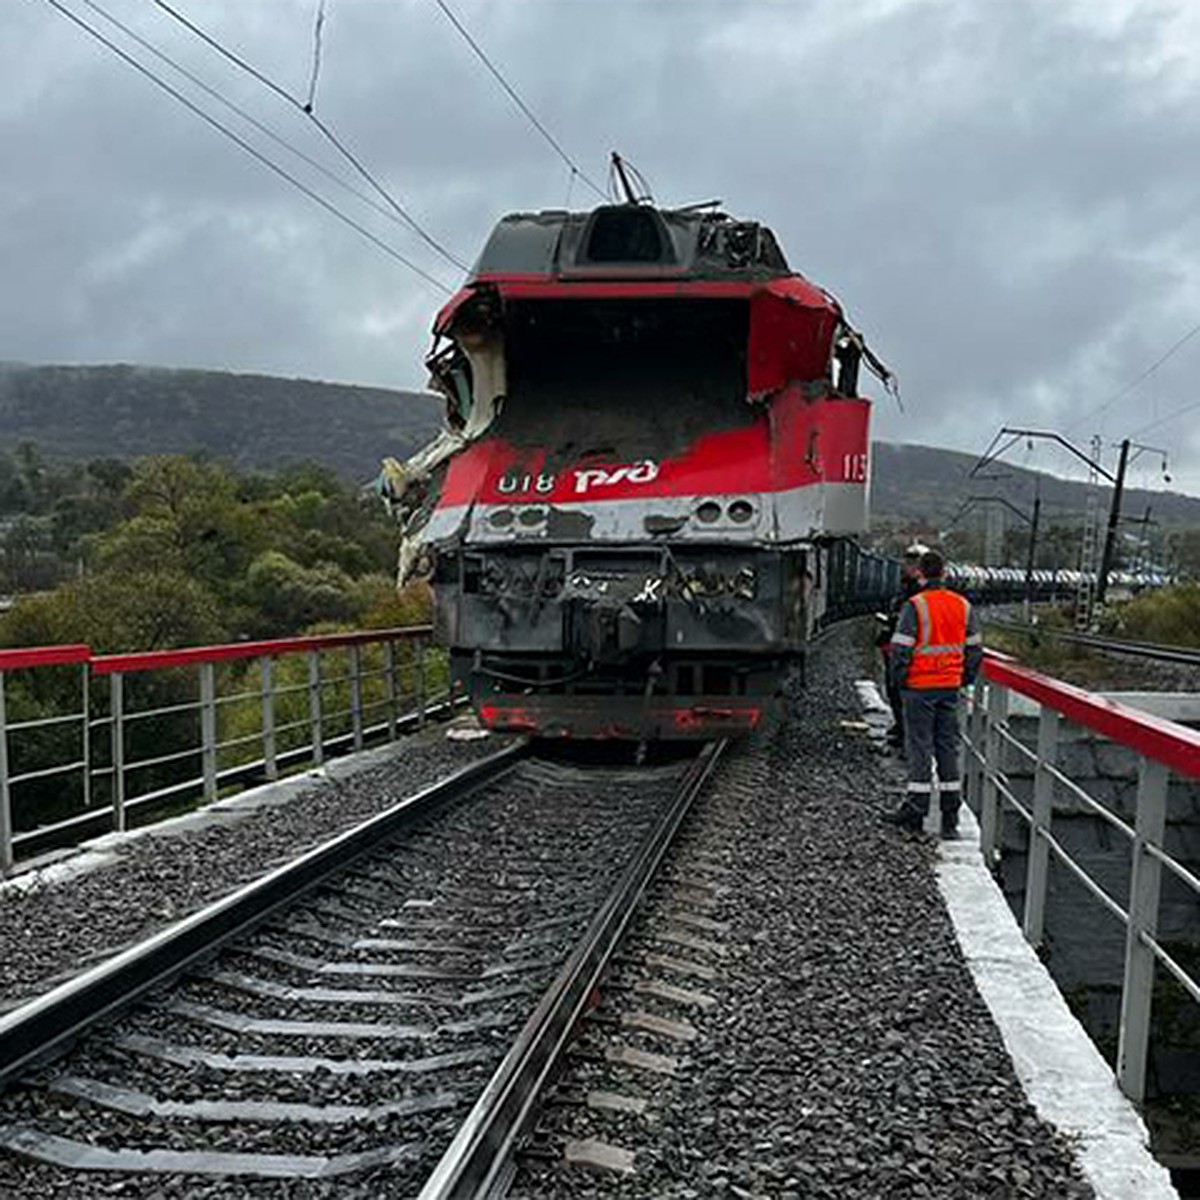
[[1161, 747], [88, 740]]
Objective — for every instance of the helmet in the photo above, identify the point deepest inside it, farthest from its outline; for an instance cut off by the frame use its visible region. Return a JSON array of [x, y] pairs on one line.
[[916, 550]]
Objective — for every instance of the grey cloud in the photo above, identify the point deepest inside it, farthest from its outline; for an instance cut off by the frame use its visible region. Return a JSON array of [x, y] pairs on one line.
[[1004, 195]]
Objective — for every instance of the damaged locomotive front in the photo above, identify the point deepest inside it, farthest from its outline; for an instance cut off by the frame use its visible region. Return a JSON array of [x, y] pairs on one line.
[[654, 444]]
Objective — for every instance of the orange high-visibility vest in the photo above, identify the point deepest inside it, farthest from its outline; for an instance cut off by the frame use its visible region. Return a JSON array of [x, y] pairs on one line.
[[939, 655]]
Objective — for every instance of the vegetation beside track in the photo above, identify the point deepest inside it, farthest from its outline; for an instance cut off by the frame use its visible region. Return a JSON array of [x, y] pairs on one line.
[[175, 551], [1167, 617]]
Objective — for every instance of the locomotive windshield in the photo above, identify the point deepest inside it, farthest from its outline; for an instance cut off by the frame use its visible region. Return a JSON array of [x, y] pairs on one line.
[[646, 376]]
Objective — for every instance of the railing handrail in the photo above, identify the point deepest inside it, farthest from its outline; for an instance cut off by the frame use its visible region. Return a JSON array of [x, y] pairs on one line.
[[325, 721], [26, 657], [1176, 746], [1161, 747]]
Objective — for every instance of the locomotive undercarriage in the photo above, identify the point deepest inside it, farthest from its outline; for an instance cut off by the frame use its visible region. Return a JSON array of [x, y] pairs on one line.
[[642, 641]]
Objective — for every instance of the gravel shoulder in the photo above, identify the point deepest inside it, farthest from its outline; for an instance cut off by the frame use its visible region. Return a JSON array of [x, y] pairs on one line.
[[56, 923]]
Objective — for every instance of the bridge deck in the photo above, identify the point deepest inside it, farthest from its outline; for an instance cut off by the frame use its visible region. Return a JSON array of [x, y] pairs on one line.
[[880, 1026]]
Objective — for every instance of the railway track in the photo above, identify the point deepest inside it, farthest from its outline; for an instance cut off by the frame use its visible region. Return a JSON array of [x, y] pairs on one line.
[[1182, 655], [384, 1011]]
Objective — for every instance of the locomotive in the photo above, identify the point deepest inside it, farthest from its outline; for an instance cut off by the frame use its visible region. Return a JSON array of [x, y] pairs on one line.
[[644, 506]]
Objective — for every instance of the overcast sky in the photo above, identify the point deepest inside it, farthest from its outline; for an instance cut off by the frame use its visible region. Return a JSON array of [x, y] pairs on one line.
[[1005, 194]]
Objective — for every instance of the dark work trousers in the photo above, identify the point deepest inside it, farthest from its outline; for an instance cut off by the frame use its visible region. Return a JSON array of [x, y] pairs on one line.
[[931, 734], [896, 702]]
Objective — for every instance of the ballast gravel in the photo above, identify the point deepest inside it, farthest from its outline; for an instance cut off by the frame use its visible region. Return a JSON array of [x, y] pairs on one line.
[[849, 1054], [50, 931], [487, 893]]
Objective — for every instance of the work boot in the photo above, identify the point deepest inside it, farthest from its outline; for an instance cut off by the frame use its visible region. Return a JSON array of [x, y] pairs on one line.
[[949, 824], [905, 818]]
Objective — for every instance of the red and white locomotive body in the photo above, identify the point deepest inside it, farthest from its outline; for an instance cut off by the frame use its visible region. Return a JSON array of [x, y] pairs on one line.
[[657, 451]]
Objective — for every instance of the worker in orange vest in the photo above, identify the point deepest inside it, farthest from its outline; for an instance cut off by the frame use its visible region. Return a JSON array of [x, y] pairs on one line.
[[936, 650], [910, 585]]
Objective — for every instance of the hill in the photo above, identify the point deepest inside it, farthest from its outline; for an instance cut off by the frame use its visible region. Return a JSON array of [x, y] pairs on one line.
[[252, 420], [925, 486], [73, 412]]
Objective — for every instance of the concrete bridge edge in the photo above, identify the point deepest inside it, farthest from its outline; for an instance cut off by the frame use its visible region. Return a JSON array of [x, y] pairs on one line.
[[1065, 1077]]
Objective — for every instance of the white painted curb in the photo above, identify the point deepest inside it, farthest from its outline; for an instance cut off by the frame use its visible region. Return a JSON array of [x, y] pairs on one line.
[[1059, 1067]]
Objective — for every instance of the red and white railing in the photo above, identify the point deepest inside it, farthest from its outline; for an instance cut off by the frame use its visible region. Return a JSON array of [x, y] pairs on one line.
[[250, 709], [1162, 747]]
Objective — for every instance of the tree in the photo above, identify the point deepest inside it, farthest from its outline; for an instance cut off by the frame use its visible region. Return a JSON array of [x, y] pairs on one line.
[[186, 517], [287, 596], [116, 612]]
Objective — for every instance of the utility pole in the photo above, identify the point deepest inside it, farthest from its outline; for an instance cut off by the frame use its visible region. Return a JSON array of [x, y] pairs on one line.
[[1095, 472], [1114, 516], [1033, 536], [1114, 519]]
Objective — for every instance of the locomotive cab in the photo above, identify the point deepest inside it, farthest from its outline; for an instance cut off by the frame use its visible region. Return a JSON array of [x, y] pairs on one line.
[[631, 523]]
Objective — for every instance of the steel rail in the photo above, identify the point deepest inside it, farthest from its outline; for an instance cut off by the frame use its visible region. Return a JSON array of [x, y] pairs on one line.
[[1151, 650], [478, 1163], [50, 1023]]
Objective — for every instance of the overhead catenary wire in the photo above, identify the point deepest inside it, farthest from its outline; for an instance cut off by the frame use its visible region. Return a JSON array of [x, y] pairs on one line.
[[246, 116], [323, 127], [1124, 391], [1171, 416], [513, 95], [250, 149]]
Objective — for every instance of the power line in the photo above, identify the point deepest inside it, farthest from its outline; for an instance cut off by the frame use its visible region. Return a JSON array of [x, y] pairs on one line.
[[1179, 412], [248, 117], [325, 130], [481, 54], [254, 153], [1124, 391], [225, 52]]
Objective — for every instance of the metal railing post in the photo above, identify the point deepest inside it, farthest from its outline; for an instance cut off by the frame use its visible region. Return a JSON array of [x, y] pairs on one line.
[[314, 706], [989, 804], [208, 729], [972, 772], [6, 830], [356, 695], [117, 713], [1038, 866], [1144, 886], [86, 718], [419, 679], [270, 761], [389, 651]]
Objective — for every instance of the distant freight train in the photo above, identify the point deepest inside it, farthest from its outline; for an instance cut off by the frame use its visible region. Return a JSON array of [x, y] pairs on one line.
[[646, 501]]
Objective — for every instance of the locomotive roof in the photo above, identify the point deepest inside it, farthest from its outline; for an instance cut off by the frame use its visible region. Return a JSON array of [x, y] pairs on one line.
[[631, 239]]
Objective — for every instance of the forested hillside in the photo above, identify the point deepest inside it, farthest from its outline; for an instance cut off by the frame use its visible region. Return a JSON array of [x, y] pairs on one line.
[[172, 551], [251, 420], [926, 485], [81, 413]]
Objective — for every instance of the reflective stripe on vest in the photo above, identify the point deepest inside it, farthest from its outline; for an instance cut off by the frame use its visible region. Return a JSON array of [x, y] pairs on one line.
[[939, 654]]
